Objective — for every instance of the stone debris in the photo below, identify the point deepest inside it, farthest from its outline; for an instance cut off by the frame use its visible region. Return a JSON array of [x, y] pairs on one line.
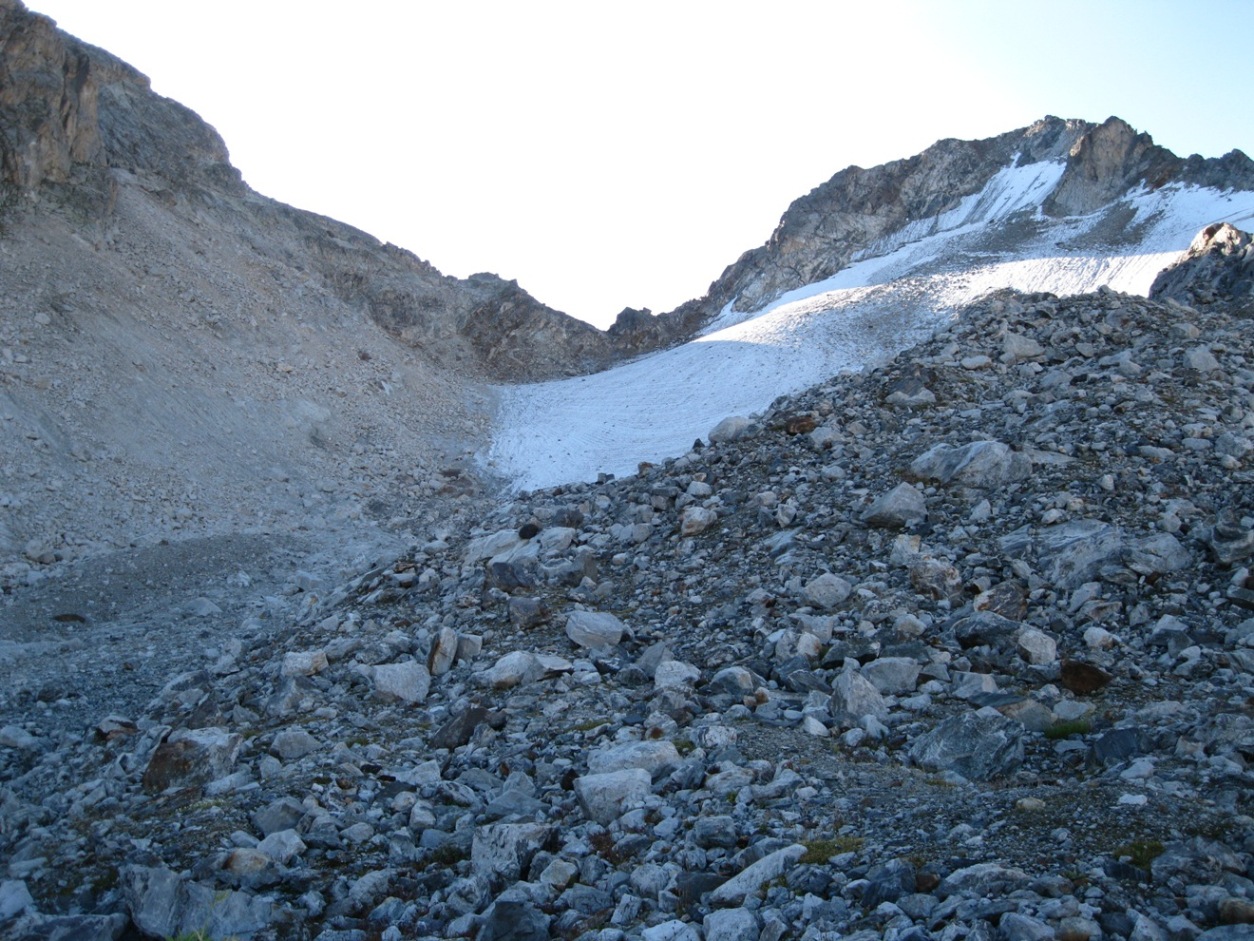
[[975, 664]]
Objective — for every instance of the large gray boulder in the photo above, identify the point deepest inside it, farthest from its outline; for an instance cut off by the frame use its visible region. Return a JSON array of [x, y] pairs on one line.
[[164, 904], [501, 852], [980, 464], [592, 629], [192, 756], [854, 696], [1218, 265], [605, 797], [902, 506], [980, 746]]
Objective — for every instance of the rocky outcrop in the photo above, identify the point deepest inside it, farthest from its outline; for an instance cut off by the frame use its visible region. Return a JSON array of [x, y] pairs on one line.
[[1219, 266], [1104, 163], [516, 337], [48, 93]]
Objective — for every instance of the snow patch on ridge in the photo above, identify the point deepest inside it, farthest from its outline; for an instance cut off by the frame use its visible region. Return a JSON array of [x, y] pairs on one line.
[[653, 408]]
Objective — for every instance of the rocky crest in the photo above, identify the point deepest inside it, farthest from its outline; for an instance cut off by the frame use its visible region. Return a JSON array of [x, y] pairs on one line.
[[1219, 266]]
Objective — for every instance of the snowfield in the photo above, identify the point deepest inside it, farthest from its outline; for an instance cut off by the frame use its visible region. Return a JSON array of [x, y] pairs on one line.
[[897, 293]]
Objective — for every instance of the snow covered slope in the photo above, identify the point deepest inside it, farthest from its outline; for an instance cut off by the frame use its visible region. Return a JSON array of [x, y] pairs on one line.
[[896, 293]]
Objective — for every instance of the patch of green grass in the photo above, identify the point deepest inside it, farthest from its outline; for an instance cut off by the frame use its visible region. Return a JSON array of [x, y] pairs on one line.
[[683, 745], [1139, 852], [820, 851], [1067, 729]]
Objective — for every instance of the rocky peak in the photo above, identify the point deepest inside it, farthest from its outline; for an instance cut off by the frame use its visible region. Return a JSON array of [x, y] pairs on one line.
[[1105, 162], [822, 231]]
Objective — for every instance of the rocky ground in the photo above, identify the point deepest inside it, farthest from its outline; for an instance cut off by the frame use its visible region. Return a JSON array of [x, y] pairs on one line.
[[959, 648]]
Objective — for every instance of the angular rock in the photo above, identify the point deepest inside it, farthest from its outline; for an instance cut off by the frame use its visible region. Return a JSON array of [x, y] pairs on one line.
[[605, 797], [854, 696], [281, 814], [732, 428], [459, 730], [982, 879], [1071, 554], [520, 666], [190, 757], [655, 757], [164, 904], [980, 465], [526, 613], [695, 520], [501, 852], [443, 652], [675, 674], [1230, 541], [1082, 677], [901, 507], [303, 662], [980, 746], [1036, 647], [673, 930], [751, 879], [1159, 554], [510, 920], [291, 744], [282, 846], [592, 629], [408, 682], [894, 675], [15, 898], [826, 591], [732, 924]]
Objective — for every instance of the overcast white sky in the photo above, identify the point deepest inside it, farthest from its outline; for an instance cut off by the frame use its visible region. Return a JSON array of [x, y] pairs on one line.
[[610, 155]]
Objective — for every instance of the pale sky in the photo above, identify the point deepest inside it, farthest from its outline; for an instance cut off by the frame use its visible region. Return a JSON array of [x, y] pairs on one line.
[[611, 155]]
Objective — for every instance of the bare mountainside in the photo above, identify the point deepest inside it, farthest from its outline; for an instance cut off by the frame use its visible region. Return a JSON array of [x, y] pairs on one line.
[[179, 355]]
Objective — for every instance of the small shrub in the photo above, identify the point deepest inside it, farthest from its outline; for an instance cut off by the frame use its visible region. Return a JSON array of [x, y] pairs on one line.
[[1139, 852], [1067, 729], [820, 851]]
